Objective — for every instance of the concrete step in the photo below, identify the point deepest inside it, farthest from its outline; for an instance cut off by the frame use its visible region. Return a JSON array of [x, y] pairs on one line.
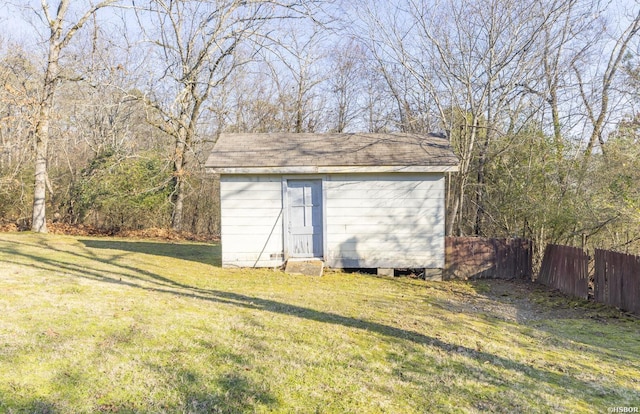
[[309, 267]]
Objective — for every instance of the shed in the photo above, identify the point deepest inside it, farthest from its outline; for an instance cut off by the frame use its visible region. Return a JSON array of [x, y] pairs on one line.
[[350, 200]]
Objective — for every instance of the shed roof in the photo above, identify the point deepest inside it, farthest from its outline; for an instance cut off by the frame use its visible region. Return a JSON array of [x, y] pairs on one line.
[[309, 153]]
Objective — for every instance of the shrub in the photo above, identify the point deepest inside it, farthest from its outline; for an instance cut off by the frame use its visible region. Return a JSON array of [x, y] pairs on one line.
[[116, 192]]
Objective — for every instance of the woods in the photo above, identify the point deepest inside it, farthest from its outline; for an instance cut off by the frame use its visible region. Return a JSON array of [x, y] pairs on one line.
[[108, 109]]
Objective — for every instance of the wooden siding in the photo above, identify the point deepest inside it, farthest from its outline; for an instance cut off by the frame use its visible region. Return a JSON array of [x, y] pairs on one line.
[[385, 220], [251, 221]]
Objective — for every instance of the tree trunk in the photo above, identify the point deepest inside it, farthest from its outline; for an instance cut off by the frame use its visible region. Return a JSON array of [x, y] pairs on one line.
[[453, 209], [178, 205], [39, 220], [57, 41], [481, 182], [179, 174]]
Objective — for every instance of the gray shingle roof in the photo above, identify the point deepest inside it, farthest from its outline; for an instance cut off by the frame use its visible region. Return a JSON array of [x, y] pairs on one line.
[[330, 150]]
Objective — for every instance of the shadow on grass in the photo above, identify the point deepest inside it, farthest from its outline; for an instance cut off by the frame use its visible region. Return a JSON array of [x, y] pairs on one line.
[[231, 392], [167, 286], [36, 405], [210, 254], [152, 282], [235, 393]]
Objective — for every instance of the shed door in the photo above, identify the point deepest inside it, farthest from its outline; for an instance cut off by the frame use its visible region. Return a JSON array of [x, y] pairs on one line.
[[305, 218]]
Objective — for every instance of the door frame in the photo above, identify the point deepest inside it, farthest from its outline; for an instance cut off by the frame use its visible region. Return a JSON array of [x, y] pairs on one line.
[[285, 212]]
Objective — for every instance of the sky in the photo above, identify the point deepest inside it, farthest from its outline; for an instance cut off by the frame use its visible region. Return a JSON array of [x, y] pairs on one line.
[[17, 22]]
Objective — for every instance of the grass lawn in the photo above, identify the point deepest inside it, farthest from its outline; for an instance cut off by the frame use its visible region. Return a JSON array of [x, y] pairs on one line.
[[112, 325]]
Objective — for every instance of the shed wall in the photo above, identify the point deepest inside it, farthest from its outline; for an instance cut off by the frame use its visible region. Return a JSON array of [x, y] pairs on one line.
[[393, 220], [385, 220], [251, 221]]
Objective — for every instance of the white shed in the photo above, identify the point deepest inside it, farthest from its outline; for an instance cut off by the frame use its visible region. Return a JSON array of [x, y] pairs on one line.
[[351, 200]]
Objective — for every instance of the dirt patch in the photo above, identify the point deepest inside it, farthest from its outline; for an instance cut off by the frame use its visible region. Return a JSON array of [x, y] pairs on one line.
[[523, 301]]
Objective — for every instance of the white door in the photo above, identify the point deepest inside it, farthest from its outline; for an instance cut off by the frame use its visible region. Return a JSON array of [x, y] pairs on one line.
[[304, 233]]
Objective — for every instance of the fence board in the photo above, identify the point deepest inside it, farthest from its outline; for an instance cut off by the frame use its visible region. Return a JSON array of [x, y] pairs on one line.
[[477, 257], [617, 280], [565, 268]]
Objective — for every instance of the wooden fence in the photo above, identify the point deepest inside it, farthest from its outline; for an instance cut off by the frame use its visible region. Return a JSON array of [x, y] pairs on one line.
[[617, 280], [477, 257], [565, 268]]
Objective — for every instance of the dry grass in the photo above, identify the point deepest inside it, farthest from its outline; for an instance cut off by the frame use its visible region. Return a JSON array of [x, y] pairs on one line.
[[108, 325]]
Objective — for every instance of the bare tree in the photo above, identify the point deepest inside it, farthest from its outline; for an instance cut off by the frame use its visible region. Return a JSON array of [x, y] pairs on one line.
[[345, 83], [460, 62], [597, 100], [560, 49], [297, 67], [61, 31], [19, 80], [197, 45], [18, 90]]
